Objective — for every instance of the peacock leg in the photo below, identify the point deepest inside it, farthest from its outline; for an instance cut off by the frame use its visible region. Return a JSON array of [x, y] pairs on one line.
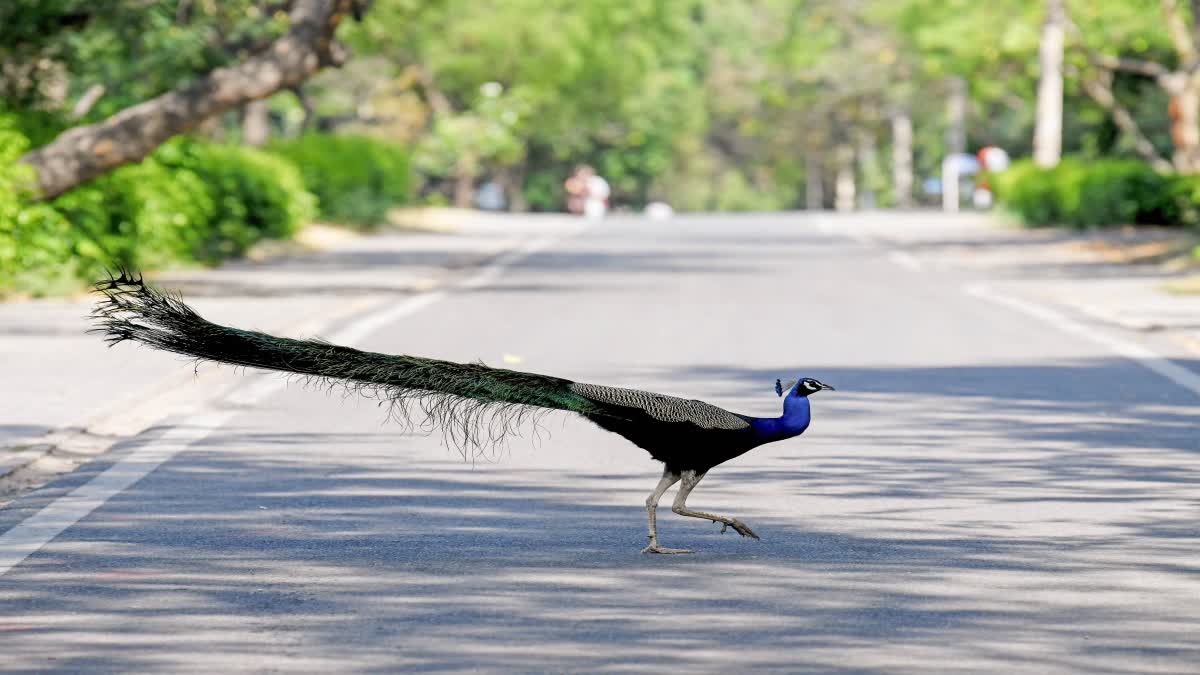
[[688, 482], [669, 478]]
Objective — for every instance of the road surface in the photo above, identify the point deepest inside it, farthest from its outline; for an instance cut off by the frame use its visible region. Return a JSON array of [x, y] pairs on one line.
[[996, 486]]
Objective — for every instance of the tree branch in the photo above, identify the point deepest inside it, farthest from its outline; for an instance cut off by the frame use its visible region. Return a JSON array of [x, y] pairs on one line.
[[1181, 35], [1098, 85], [87, 101], [1136, 66], [83, 153], [434, 98], [1195, 4]]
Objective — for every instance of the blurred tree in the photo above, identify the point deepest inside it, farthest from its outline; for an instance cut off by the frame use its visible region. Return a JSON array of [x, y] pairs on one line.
[[612, 84], [1047, 135], [707, 104], [1159, 43]]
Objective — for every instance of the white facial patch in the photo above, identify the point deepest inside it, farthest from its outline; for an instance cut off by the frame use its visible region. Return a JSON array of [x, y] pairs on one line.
[[811, 386]]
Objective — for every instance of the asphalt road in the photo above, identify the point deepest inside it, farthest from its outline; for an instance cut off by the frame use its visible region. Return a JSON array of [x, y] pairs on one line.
[[993, 488]]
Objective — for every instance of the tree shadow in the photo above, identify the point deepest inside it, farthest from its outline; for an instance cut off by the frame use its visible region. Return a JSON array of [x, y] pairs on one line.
[[1061, 538]]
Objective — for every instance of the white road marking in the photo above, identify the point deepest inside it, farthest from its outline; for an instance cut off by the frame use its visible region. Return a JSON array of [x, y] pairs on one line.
[[36, 531], [905, 260], [1130, 350], [31, 534], [901, 258]]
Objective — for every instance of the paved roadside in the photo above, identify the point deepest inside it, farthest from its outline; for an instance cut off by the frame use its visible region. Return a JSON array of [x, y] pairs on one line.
[[1120, 277], [66, 397]]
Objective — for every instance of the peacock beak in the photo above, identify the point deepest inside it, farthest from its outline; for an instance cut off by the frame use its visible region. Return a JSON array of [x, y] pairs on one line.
[[826, 386]]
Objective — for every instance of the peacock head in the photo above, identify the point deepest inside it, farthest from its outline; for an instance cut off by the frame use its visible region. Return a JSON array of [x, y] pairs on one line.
[[802, 387]]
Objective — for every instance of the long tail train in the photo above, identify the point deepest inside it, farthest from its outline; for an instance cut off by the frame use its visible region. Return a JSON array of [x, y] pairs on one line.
[[475, 406]]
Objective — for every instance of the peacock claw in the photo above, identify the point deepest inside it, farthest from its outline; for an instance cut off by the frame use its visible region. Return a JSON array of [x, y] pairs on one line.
[[741, 528], [655, 548]]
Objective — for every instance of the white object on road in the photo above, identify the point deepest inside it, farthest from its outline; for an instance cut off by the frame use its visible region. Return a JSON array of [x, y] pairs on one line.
[[659, 211]]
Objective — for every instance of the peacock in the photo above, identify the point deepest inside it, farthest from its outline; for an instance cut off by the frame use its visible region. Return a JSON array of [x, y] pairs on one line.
[[474, 405]]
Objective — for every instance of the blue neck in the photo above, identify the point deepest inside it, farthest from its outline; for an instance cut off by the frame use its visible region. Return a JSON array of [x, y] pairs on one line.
[[794, 420]]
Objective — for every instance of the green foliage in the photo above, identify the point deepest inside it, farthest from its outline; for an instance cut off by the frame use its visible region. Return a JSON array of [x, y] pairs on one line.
[[38, 126], [136, 50], [35, 240], [140, 216], [702, 103], [356, 178], [257, 195], [1029, 192], [1094, 193], [487, 136], [542, 86], [189, 202], [544, 191], [1182, 202]]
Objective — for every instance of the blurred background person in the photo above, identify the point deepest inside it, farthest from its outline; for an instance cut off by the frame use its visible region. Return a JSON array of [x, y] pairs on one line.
[[595, 203], [576, 187]]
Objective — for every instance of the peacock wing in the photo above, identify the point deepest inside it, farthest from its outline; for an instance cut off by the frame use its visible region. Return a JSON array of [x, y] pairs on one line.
[[660, 406]]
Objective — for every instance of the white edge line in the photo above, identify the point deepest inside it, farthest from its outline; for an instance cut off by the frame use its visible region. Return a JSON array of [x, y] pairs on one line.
[[1130, 350], [30, 535]]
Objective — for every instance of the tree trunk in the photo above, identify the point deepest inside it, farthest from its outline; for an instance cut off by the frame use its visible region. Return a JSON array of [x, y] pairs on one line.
[[956, 141], [1185, 125], [902, 158], [256, 123], [512, 181], [867, 169], [464, 189], [1183, 85], [82, 153], [956, 116], [814, 188], [844, 187], [306, 104], [1047, 135]]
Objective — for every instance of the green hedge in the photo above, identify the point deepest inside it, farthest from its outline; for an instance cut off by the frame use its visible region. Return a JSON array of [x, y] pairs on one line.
[[36, 241], [356, 178], [256, 194], [190, 201], [1103, 192], [140, 216]]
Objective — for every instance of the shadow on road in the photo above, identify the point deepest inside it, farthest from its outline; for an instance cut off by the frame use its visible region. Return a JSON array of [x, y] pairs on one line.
[[432, 565]]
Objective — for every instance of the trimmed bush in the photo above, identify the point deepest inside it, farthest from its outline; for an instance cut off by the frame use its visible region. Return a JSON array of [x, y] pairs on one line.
[[1091, 193], [256, 194], [356, 178], [35, 239], [142, 216], [1183, 202]]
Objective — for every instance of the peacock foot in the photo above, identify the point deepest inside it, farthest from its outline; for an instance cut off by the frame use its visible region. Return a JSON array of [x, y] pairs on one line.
[[739, 527]]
